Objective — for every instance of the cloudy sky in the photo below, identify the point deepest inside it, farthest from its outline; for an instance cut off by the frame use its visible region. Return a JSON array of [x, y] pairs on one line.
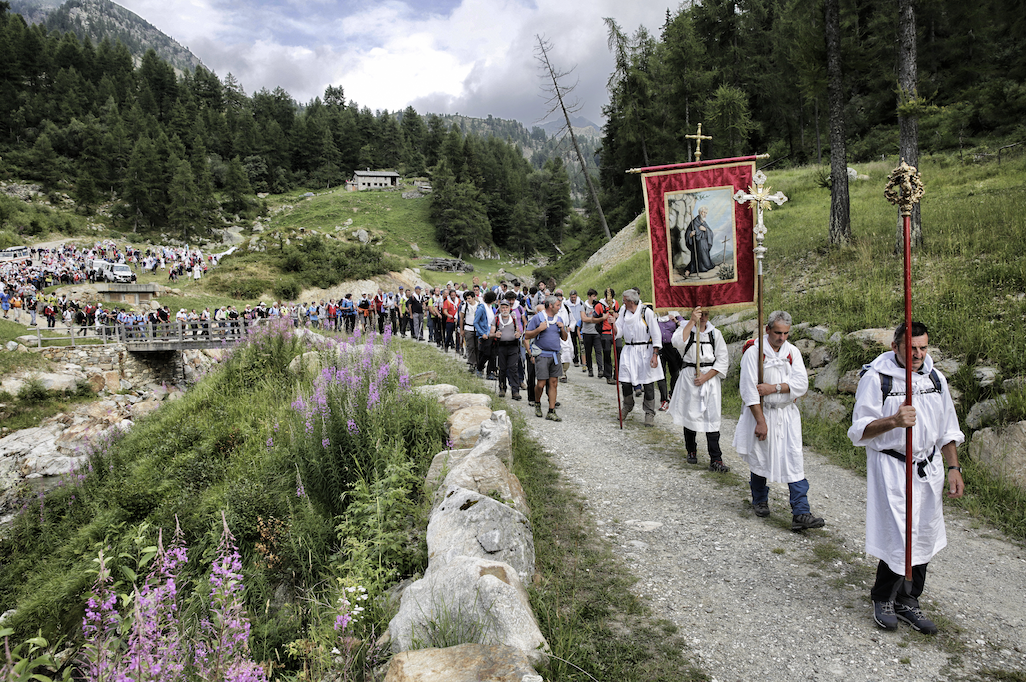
[[473, 57]]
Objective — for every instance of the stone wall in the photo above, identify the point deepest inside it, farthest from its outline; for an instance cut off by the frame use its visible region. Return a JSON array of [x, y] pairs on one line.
[[134, 368]]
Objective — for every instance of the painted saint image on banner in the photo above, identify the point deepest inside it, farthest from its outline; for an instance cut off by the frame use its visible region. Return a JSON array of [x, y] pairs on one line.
[[702, 241]]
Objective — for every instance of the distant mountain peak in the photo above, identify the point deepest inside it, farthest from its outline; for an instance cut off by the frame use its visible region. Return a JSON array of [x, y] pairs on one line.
[[99, 19]]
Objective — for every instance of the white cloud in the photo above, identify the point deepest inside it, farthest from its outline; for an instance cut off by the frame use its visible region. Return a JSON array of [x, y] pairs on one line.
[[477, 59]]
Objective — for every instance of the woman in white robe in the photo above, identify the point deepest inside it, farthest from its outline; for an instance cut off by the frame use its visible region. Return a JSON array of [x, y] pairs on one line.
[[697, 405]]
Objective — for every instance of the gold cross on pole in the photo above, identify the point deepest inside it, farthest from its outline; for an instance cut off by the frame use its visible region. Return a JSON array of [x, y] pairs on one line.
[[761, 197], [698, 137]]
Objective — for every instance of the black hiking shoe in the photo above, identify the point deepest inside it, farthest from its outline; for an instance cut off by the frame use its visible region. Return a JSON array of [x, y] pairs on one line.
[[718, 466], [761, 509], [538, 410], [806, 521], [692, 458], [883, 614], [915, 618]]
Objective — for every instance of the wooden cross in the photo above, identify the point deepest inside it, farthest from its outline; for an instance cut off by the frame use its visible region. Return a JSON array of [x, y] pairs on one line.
[[698, 137]]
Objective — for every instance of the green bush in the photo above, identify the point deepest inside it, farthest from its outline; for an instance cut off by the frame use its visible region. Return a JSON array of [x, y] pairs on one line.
[[33, 391]]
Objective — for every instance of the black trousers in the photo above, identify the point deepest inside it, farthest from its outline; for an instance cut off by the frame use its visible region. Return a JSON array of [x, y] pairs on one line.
[[508, 356], [888, 585], [485, 356], [712, 442], [593, 344]]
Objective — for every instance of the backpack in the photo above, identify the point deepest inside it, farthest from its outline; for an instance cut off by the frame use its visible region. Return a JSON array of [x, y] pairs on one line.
[[887, 381], [711, 342]]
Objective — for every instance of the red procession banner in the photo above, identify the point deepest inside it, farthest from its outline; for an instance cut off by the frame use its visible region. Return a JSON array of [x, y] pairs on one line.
[[701, 239]]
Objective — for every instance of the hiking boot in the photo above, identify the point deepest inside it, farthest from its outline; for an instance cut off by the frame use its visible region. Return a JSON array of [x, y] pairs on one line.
[[692, 458], [538, 410], [806, 521], [562, 380], [718, 466], [761, 509], [914, 617], [515, 396], [664, 406], [502, 393], [577, 363], [638, 391], [553, 417], [591, 373], [624, 412], [649, 420], [558, 403], [523, 385], [610, 381], [883, 614]]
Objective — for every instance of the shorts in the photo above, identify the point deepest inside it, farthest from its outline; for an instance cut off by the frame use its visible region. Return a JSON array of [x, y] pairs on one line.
[[547, 368]]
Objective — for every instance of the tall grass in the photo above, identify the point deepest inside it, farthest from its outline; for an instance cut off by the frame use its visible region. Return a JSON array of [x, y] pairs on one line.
[[237, 444]]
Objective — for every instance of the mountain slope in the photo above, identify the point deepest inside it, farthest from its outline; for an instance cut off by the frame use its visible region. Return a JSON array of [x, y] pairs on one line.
[[98, 19]]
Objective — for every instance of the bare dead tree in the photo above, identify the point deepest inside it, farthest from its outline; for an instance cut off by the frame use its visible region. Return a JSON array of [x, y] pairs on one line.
[[557, 102]]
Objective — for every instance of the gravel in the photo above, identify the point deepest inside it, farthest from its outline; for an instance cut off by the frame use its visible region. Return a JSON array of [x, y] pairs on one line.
[[755, 600]]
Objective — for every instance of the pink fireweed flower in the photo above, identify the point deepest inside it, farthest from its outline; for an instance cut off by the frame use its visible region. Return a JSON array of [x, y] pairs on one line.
[[352, 428]]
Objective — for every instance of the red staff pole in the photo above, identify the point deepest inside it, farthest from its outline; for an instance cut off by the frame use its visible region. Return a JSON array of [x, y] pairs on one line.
[[905, 189], [908, 398]]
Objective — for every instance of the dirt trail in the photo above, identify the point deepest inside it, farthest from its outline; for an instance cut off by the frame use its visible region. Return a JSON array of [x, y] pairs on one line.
[[755, 600]]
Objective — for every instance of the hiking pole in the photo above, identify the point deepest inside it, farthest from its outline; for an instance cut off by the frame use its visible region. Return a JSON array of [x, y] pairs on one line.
[[905, 189], [616, 375]]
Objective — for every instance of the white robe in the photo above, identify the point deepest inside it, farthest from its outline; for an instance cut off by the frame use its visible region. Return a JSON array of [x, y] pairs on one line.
[[936, 425], [636, 361], [779, 457], [698, 407]]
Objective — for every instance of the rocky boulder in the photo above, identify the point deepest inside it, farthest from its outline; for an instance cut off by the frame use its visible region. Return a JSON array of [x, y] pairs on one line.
[[984, 412], [459, 401], [827, 378], [872, 339], [822, 407], [474, 599], [1003, 451], [462, 663], [438, 391], [467, 523], [441, 464], [464, 420]]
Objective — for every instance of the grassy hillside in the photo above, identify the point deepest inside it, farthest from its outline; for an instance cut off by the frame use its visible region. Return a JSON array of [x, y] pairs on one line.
[[968, 279]]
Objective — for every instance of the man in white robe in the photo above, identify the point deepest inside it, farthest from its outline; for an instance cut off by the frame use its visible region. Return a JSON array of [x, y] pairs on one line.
[[696, 400], [639, 366], [769, 432], [878, 424]]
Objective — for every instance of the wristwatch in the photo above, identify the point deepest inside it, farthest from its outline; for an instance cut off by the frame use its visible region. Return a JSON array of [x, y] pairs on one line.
[[778, 388]]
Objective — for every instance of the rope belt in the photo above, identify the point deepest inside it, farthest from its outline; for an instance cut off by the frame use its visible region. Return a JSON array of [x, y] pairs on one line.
[[920, 464]]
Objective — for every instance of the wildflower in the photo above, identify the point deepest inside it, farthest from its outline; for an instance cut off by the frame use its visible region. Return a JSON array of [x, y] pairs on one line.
[[325, 443], [270, 443], [352, 428]]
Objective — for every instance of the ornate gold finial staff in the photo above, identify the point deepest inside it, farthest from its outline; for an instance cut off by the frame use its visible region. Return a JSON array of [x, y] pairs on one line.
[[698, 137], [761, 197], [904, 189]]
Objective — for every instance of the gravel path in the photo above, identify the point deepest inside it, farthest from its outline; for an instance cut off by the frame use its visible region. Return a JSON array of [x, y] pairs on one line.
[[755, 600]]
